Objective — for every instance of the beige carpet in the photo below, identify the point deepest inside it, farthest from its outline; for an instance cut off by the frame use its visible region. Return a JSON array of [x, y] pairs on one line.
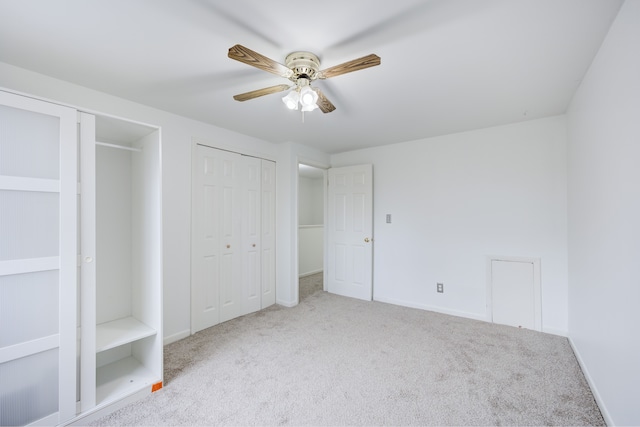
[[339, 361], [309, 285]]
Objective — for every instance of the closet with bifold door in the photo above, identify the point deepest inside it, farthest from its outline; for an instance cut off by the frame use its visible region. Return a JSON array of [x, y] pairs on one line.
[[80, 262], [233, 236]]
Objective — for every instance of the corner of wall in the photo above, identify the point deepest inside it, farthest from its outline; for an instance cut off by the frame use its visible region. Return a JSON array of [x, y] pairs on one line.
[[592, 385]]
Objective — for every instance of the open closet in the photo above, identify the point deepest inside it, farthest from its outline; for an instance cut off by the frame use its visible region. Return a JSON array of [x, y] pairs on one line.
[[80, 262]]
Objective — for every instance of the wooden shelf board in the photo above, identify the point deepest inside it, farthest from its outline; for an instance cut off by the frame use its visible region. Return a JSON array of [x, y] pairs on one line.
[[119, 332]]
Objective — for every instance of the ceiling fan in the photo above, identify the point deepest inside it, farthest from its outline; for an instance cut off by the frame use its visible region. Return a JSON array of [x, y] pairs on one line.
[[301, 68]]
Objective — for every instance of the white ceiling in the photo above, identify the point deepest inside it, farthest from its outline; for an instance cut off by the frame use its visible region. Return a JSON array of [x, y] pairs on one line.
[[447, 65]]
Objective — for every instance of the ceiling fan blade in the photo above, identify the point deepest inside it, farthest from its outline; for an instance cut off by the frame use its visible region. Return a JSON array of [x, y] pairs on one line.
[[249, 57], [355, 65], [323, 103], [260, 92]]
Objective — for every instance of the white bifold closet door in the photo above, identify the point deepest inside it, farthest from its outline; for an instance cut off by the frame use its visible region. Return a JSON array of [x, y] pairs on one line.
[[233, 236], [38, 263]]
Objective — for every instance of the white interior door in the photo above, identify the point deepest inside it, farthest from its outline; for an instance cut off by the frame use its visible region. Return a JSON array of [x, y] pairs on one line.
[[515, 293], [38, 261], [350, 227]]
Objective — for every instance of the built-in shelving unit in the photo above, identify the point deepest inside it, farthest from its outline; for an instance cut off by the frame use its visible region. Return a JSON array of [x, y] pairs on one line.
[[122, 268], [80, 262]]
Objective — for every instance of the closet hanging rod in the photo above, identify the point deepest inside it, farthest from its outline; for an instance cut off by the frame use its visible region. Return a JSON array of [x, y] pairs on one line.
[[120, 147]]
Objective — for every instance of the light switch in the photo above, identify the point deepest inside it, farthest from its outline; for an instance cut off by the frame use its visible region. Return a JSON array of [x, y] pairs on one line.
[[388, 218]]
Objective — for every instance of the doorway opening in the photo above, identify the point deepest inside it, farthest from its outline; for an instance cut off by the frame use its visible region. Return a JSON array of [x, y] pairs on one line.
[[311, 230]]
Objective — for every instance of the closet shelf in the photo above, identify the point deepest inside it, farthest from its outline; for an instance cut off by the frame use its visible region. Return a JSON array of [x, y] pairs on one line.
[[121, 378], [119, 332]]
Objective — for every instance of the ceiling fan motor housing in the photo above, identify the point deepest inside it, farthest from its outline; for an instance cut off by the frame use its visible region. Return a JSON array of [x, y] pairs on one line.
[[303, 64]]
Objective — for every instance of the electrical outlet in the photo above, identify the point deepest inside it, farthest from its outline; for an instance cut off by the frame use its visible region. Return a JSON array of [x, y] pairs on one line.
[[440, 287]]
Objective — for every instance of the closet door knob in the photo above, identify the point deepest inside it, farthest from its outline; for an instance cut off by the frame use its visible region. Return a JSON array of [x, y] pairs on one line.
[[88, 259], [254, 245], [228, 246], [366, 240]]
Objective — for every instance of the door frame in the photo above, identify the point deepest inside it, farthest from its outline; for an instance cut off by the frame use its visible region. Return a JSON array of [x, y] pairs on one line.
[[296, 254], [537, 286]]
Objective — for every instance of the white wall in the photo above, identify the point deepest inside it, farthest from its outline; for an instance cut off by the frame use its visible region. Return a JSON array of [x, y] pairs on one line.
[[113, 234], [290, 156], [310, 249], [177, 135], [604, 220], [310, 231], [310, 201], [455, 200]]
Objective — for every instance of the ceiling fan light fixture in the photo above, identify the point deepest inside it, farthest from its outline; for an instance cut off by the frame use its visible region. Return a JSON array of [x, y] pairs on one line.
[[291, 100], [309, 107], [308, 98], [301, 68]]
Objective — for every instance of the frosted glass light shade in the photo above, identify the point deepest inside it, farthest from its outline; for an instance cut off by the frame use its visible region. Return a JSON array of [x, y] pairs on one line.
[[291, 100], [308, 97]]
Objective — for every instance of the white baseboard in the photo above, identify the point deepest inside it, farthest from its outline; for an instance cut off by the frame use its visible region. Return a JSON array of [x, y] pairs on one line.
[[592, 385], [431, 308], [553, 331], [288, 304], [309, 273], [464, 314], [176, 337]]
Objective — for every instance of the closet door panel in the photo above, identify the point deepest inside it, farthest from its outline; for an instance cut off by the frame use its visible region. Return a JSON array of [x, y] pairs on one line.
[[211, 279], [210, 270], [35, 394], [227, 274], [268, 235], [29, 225], [87, 255], [38, 257], [206, 239], [23, 298], [27, 150], [230, 268], [251, 222]]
